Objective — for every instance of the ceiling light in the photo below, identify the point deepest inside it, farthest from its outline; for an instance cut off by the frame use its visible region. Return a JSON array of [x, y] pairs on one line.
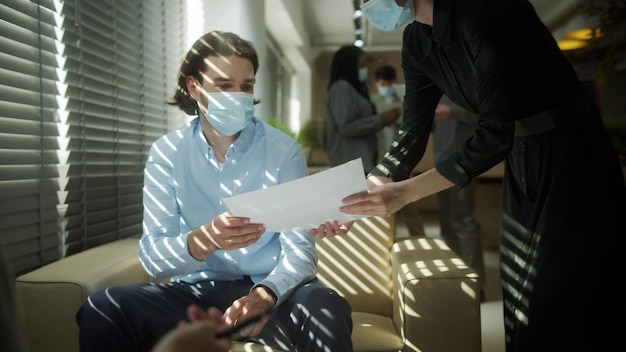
[[571, 44], [577, 32], [584, 33]]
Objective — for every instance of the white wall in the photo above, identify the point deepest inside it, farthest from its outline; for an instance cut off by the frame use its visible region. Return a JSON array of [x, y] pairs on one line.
[[245, 18], [285, 22], [253, 20]]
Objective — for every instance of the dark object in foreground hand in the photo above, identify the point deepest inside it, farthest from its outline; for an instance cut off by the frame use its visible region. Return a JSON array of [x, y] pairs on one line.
[[236, 331]]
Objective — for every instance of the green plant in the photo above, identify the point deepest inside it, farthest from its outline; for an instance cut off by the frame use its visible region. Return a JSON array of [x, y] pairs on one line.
[[311, 135], [278, 123]]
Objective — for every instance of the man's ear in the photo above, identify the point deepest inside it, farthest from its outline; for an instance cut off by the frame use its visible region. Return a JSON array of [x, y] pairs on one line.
[[192, 87]]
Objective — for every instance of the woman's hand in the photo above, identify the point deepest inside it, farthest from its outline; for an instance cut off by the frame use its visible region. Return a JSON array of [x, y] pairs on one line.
[[331, 229], [382, 199], [385, 197]]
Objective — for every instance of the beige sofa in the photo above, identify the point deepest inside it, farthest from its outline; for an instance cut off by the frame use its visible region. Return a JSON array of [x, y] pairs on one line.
[[410, 295]]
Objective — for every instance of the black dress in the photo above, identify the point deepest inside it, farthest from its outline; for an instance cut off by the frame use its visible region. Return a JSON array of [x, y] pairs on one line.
[[564, 197]]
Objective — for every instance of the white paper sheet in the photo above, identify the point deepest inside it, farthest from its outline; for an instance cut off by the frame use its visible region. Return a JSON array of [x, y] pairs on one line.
[[304, 203]]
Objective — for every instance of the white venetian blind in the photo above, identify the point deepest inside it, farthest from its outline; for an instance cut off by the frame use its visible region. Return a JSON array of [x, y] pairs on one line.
[[82, 99]]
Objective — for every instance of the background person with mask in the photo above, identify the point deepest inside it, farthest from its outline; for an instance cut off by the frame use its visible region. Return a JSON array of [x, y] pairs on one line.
[[211, 257], [386, 97], [563, 190], [351, 118], [452, 127]]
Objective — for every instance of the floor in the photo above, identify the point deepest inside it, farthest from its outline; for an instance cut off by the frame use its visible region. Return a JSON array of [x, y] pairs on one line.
[[492, 325]]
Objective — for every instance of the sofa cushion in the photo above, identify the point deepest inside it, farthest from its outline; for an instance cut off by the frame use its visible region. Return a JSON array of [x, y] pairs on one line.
[[358, 265], [371, 332], [51, 295], [439, 295]]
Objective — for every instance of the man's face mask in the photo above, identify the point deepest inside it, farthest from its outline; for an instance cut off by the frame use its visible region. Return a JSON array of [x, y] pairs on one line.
[[229, 112], [386, 15]]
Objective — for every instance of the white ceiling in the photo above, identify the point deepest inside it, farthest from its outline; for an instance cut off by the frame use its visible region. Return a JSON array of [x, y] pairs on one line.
[[330, 25]]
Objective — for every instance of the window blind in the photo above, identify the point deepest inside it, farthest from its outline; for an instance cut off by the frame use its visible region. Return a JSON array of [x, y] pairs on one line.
[[82, 100]]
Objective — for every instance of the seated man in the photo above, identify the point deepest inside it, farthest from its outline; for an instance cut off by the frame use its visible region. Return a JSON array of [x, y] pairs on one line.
[[216, 259]]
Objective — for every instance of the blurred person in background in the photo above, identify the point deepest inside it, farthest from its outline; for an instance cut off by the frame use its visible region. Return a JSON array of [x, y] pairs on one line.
[[352, 121], [452, 127], [386, 98]]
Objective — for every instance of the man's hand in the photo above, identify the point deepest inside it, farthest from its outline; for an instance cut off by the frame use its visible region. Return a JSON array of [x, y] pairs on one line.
[[329, 229], [259, 301], [224, 232]]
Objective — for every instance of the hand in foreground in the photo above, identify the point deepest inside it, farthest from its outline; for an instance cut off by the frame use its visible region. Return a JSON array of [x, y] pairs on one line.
[[329, 229], [196, 336], [259, 301], [224, 232]]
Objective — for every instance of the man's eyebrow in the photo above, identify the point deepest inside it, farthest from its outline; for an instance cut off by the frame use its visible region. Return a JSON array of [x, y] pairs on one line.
[[226, 79], [221, 79]]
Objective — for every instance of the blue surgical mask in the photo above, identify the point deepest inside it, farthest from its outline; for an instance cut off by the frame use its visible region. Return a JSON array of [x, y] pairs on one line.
[[229, 112], [386, 91], [362, 75], [386, 15]]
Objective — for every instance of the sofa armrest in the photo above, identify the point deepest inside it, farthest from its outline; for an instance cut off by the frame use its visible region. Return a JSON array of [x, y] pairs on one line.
[[436, 296], [50, 296]]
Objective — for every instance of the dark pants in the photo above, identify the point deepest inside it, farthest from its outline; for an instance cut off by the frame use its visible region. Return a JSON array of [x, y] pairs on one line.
[[459, 228], [135, 317], [564, 204]]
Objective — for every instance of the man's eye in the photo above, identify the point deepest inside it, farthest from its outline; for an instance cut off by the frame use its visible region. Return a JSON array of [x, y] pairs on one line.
[[247, 88], [224, 87]]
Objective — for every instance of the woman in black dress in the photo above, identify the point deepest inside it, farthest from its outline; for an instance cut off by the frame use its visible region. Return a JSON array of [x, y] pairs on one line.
[[564, 197]]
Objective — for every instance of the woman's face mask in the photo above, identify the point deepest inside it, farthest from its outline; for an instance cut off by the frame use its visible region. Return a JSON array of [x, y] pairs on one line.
[[386, 15], [229, 112], [363, 75]]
